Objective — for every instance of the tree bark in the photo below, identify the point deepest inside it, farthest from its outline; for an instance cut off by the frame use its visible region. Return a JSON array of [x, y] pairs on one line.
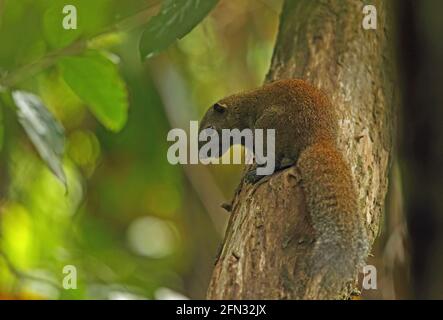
[[270, 232]]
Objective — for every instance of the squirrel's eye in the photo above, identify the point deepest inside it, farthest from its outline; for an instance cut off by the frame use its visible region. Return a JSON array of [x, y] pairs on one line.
[[219, 107]]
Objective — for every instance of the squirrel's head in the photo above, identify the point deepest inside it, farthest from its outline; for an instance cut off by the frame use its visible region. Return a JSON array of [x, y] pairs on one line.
[[216, 117], [229, 113]]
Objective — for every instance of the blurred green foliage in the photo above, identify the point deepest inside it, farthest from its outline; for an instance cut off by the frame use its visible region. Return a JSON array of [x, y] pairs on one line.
[[109, 101], [175, 20], [133, 225]]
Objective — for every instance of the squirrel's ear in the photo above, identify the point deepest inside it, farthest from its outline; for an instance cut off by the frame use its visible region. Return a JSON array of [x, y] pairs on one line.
[[219, 107]]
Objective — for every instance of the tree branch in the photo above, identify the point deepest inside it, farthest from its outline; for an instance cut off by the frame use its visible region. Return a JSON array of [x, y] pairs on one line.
[[270, 235]]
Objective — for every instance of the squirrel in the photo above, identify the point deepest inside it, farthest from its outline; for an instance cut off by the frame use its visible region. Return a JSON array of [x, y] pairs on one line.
[[306, 129]]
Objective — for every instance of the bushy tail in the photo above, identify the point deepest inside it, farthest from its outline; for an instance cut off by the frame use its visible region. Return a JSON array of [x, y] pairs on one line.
[[341, 244]]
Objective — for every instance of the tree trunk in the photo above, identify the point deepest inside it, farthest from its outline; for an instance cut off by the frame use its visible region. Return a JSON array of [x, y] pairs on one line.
[[270, 233]]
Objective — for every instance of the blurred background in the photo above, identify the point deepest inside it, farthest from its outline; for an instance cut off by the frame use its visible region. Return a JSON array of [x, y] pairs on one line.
[[135, 226], [132, 224]]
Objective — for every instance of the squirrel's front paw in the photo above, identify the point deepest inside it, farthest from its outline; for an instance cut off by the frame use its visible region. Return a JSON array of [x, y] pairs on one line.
[[252, 177], [284, 163]]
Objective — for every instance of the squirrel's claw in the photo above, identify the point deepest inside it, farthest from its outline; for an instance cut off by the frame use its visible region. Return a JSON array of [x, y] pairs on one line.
[[252, 177], [227, 206]]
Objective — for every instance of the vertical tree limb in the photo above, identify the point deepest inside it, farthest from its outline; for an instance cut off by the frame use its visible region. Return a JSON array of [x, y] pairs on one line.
[[270, 232]]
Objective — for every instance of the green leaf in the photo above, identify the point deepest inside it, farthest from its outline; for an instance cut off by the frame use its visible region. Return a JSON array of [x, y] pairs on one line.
[[54, 32], [175, 20], [42, 128], [89, 22], [95, 79]]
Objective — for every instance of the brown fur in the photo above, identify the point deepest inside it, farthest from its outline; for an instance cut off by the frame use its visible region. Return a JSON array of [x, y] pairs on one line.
[[306, 133]]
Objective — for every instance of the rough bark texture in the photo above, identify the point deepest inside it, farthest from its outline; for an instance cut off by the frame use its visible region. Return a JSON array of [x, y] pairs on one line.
[[270, 233]]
